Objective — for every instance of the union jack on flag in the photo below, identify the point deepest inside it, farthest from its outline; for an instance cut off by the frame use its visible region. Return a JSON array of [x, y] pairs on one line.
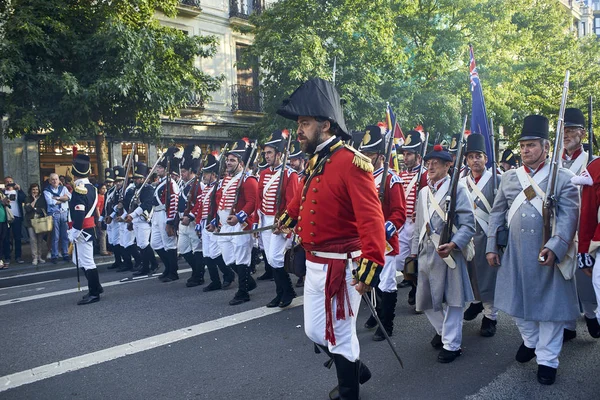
[[479, 121]]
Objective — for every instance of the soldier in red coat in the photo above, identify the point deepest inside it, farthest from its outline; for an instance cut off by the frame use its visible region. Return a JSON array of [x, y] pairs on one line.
[[338, 218], [236, 211], [394, 211], [276, 189]]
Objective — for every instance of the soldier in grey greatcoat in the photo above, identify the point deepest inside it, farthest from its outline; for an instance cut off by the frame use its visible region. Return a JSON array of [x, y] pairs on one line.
[[444, 285], [480, 183], [530, 285]]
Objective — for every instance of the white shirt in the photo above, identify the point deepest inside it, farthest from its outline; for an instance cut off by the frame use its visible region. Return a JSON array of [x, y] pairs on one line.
[[14, 206]]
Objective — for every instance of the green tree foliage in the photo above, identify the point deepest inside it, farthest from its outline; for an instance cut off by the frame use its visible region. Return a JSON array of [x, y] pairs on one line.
[[74, 68], [414, 54]]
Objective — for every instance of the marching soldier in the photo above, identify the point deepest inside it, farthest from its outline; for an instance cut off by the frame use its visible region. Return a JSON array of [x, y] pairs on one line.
[[297, 159], [139, 219], [126, 236], [411, 151], [508, 160], [298, 163], [189, 244], [203, 212], [530, 287], [277, 184], [575, 159], [480, 183], [443, 276], [394, 212], [339, 220], [237, 201], [163, 238], [112, 226], [258, 248], [82, 207]]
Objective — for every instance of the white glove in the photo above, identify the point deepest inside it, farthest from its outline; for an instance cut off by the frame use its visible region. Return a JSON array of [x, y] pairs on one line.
[[73, 235]]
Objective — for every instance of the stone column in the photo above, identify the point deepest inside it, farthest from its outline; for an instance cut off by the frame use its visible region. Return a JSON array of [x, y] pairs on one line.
[[152, 154]]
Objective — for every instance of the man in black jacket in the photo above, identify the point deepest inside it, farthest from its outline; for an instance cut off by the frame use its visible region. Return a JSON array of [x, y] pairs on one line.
[[15, 199]]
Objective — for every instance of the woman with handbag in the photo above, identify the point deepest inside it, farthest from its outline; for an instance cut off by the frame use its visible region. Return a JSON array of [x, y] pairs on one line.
[[35, 207]]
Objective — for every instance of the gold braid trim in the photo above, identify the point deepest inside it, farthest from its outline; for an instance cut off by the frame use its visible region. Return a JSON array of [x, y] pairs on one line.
[[360, 160], [81, 189]]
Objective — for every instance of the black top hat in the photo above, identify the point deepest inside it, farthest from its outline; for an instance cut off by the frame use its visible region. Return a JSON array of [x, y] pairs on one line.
[[81, 166], [140, 170], [316, 98], [191, 158], [296, 150], [453, 148], [475, 143], [438, 152], [413, 142], [509, 158], [535, 127], [109, 175], [119, 173], [373, 140], [574, 117], [277, 140], [211, 163]]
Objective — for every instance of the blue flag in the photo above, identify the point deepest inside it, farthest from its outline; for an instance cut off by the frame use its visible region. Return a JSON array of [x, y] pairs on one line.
[[479, 121]]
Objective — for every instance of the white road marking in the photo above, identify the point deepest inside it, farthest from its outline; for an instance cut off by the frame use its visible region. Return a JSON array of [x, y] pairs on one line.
[[87, 360], [74, 290], [48, 271], [29, 284]]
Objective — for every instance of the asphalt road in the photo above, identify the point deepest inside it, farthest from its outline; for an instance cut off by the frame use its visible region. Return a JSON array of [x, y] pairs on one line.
[[150, 340]]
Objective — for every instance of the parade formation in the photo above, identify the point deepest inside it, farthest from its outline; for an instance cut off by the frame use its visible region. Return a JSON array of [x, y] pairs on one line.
[[468, 234]]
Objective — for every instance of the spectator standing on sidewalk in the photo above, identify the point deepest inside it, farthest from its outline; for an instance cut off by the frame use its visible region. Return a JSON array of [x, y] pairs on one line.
[[57, 197], [35, 205], [16, 197]]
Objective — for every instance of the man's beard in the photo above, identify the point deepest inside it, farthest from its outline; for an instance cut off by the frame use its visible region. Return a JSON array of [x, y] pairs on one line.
[[309, 146]]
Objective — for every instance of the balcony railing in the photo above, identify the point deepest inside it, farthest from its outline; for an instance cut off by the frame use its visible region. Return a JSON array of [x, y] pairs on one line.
[[195, 101], [243, 8], [246, 98], [191, 3]]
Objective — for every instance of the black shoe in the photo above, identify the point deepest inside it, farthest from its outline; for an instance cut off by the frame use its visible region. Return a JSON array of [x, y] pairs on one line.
[[88, 300], [525, 354], [239, 299], [364, 374], [488, 327], [285, 303], [404, 284], [274, 303], [473, 311], [300, 282], [378, 335], [169, 278], [447, 356], [267, 276], [55, 260], [412, 296], [593, 327], [141, 272], [546, 375], [66, 258], [371, 323], [436, 342], [569, 335], [212, 286], [190, 283], [226, 284]]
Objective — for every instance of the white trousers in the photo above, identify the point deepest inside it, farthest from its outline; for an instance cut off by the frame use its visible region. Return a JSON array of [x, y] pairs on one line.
[[142, 230], [188, 239], [126, 237], [404, 239], [210, 246], [235, 249], [489, 311], [448, 324], [545, 337], [274, 245], [314, 312], [112, 232], [85, 253], [160, 239], [387, 278], [596, 281]]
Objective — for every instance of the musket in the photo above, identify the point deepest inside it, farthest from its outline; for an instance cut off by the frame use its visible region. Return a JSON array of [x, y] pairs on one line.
[[280, 184], [386, 166], [238, 189], [446, 234], [549, 209], [591, 138], [420, 173], [213, 195], [493, 156]]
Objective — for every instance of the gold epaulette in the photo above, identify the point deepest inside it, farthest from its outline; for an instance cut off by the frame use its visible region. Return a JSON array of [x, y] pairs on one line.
[[81, 189], [360, 160]]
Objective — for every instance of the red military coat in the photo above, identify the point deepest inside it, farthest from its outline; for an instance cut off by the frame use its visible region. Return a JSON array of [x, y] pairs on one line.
[[394, 205], [245, 208], [268, 195], [589, 226]]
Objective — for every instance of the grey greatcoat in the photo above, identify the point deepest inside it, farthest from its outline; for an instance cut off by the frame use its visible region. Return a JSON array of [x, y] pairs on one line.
[[439, 283], [483, 277], [525, 288]]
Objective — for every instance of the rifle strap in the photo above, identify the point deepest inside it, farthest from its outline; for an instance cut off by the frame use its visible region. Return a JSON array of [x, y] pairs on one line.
[[434, 237], [531, 191]]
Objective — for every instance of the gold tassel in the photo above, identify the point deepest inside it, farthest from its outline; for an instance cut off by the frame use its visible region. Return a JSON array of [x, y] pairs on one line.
[[360, 160]]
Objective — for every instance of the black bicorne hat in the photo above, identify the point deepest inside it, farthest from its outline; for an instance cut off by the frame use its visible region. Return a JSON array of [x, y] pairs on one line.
[[412, 142], [453, 148], [438, 152], [316, 98], [211, 163], [475, 144], [509, 157], [119, 172], [535, 127], [373, 140], [109, 175], [81, 166], [296, 150], [574, 117], [140, 170], [191, 158], [277, 140], [172, 157]]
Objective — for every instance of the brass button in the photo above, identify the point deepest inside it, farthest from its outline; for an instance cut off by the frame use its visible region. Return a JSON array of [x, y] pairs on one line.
[[303, 198], [328, 160], [301, 208], [312, 234], [313, 243], [299, 229], [300, 218], [312, 222], [314, 201], [318, 180], [315, 190], [312, 211]]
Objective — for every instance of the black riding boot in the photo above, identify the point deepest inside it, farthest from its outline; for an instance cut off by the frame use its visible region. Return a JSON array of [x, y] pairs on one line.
[[197, 263], [278, 289], [154, 267], [94, 288], [213, 272], [372, 322], [162, 254], [288, 292], [388, 313], [137, 257], [242, 296], [268, 275], [348, 379], [172, 257], [145, 263], [227, 271]]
